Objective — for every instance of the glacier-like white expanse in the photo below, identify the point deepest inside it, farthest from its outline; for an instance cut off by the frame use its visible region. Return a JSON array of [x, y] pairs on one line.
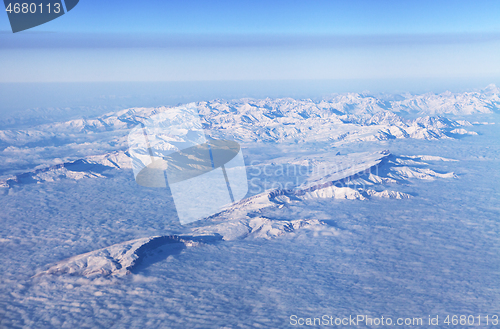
[[357, 204]]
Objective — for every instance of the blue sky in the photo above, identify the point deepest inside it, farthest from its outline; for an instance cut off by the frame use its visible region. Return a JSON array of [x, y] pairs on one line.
[[257, 40], [285, 16]]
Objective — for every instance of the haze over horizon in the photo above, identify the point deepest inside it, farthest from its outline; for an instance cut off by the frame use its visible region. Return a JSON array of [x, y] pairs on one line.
[[416, 44]]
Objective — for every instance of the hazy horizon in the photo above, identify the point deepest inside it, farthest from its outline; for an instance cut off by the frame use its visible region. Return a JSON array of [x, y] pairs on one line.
[[19, 97]]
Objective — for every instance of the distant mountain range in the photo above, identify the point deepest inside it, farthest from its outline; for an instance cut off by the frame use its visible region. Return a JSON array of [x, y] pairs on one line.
[[336, 121]]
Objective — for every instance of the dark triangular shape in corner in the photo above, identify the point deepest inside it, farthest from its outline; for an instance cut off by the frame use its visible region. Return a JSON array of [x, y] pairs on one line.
[[70, 4]]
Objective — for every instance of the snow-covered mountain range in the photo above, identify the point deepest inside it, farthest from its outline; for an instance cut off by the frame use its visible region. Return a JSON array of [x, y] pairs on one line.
[[96, 148], [357, 176], [337, 121]]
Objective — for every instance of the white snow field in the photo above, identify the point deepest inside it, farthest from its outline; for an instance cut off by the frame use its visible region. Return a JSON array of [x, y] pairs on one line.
[[357, 205]]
